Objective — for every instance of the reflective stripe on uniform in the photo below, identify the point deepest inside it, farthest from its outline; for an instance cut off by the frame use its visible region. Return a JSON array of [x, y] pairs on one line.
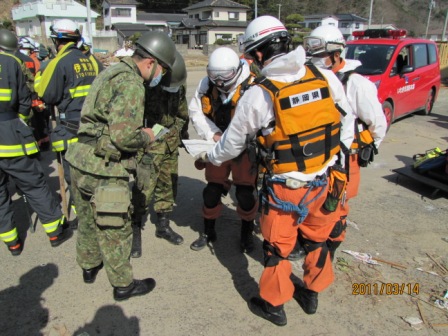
[[9, 236], [18, 150], [5, 94], [80, 91], [37, 80], [59, 145], [52, 226]]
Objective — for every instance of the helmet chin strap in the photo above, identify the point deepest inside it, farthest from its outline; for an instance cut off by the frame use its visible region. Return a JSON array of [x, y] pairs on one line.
[[153, 70]]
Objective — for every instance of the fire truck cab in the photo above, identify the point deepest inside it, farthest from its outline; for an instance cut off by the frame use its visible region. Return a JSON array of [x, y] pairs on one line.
[[406, 71]]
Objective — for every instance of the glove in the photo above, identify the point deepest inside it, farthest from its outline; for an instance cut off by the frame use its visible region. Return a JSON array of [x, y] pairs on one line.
[[202, 157]]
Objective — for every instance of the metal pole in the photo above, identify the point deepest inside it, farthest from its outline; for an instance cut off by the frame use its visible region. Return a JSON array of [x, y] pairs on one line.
[[89, 22], [256, 9], [370, 13], [431, 4], [279, 6]]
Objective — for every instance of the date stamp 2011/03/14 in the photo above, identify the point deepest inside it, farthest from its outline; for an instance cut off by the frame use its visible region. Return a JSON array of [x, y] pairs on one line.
[[385, 288]]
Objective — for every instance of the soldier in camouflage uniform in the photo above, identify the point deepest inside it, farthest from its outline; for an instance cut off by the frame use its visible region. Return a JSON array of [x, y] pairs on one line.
[[110, 135], [157, 172]]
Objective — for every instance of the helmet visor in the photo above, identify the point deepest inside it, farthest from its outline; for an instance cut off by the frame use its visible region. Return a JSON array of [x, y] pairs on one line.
[[314, 45]]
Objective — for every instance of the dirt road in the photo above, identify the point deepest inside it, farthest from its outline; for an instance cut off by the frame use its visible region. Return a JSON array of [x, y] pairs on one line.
[[205, 293]]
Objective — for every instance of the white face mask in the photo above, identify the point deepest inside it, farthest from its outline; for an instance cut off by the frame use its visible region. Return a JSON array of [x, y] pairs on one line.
[[320, 62], [156, 80], [171, 89], [25, 51]]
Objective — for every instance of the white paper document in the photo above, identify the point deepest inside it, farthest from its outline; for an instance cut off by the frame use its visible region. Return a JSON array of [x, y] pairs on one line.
[[196, 146]]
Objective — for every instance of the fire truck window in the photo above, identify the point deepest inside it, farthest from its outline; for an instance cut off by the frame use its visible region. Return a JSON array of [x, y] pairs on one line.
[[420, 56]]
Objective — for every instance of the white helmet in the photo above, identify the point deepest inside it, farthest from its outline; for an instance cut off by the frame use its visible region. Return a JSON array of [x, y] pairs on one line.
[[27, 43], [65, 29], [36, 47], [223, 69], [87, 41], [262, 30], [326, 38]]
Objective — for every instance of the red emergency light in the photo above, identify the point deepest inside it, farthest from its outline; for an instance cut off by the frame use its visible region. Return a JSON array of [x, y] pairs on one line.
[[379, 33]]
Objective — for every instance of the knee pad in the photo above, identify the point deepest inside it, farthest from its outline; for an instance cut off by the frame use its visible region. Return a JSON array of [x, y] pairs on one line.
[[271, 257], [245, 197], [212, 194]]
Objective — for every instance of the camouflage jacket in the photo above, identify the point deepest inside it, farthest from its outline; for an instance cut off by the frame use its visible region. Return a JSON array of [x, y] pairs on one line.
[[116, 103], [169, 110]]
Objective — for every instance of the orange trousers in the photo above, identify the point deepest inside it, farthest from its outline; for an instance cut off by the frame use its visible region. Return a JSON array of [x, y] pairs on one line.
[[280, 229], [351, 192], [242, 174]]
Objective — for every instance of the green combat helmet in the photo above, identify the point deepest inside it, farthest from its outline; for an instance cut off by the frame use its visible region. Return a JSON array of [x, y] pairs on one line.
[[159, 45], [178, 74], [8, 41]]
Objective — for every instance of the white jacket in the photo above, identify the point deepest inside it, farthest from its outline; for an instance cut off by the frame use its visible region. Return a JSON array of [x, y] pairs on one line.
[[255, 111], [362, 96], [205, 127]]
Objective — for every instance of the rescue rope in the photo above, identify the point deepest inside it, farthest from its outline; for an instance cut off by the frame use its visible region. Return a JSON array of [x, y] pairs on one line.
[[302, 208]]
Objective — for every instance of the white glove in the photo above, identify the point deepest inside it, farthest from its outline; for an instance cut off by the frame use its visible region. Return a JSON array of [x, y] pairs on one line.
[[202, 156]]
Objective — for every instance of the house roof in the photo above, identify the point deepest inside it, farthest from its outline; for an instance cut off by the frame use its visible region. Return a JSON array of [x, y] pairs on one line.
[[167, 17], [196, 23], [383, 26], [340, 17], [216, 3], [122, 2], [129, 29]]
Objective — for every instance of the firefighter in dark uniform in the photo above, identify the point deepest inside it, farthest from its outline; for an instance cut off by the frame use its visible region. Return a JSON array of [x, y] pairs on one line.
[[65, 83], [18, 152], [86, 48]]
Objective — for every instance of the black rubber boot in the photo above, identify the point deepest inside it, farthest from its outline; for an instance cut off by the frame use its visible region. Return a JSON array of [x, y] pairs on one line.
[[16, 249], [262, 308], [209, 235], [306, 298], [163, 229], [136, 251], [247, 239], [65, 234]]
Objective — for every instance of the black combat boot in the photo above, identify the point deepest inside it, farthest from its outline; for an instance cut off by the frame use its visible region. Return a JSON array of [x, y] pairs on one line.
[[136, 250], [262, 308], [306, 298], [247, 239], [209, 235], [137, 287], [163, 229], [89, 275]]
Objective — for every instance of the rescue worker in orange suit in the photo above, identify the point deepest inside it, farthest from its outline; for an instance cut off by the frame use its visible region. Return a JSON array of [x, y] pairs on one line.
[[210, 110], [302, 128], [65, 83], [18, 154], [325, 45]]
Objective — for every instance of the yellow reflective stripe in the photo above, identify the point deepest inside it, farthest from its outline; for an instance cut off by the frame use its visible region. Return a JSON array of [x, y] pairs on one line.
[[51, 227], [17, 150], [80, 91], [37, 80], [59, 145], [23, 117], [94, 63], [9, 236], [5, 94]]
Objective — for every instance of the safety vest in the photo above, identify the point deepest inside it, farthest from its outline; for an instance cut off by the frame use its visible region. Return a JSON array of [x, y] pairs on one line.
[[307, 126], [221, 114], [363, 137]]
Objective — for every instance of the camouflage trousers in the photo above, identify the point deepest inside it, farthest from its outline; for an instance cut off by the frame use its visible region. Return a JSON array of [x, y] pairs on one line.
[[157, 176], [96, 244]]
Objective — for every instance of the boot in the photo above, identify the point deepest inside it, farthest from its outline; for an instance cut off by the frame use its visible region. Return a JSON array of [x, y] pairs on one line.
[[297, 253], [306, 298], [247, 240], [209, 235], [89, 275], [163, 230], [136, 288], [16, 250], [65, 234], [262, 308]]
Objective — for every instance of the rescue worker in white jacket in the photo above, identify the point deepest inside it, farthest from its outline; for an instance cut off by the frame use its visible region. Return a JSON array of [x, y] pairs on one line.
[[297, 185], [211, 110], [325, 44]]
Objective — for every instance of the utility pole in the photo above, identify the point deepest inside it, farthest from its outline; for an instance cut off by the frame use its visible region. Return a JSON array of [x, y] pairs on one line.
[[256, 9], [370, 13], [444, 26], [89, 23], [432, 4], [279, 6]]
